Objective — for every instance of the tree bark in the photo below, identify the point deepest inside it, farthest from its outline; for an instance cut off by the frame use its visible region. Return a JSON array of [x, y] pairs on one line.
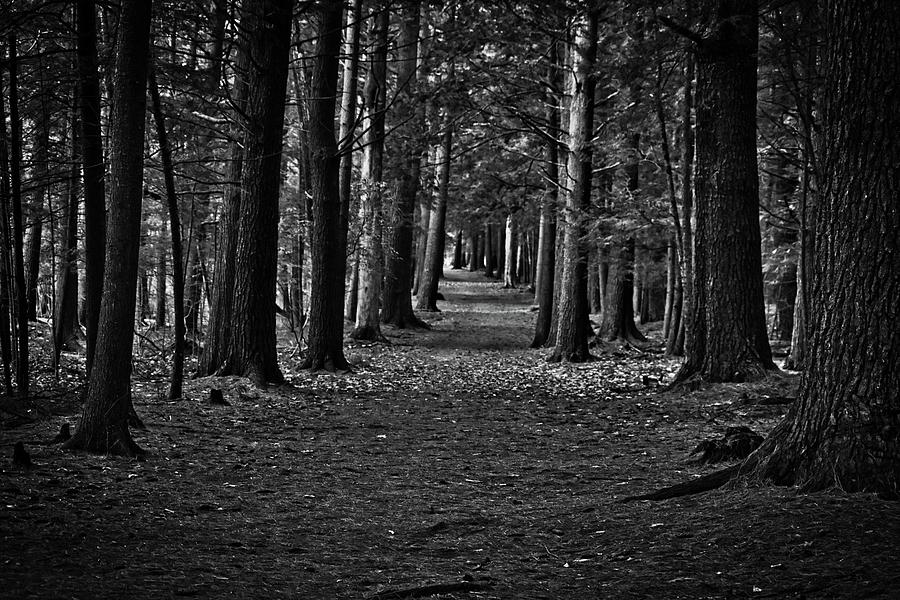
[[573, 325], [251, 348], [843, 428], [328, 229], [347, 143], [6, 342], [728, 332], [510, 272], [218, 335], [434, 248], [371, 254], [104, 421]]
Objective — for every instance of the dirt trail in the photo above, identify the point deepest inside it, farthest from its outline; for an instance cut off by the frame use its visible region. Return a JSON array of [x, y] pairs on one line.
[[455, 456]]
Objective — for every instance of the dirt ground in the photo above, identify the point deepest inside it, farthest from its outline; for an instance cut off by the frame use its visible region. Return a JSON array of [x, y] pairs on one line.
[[454, 463]]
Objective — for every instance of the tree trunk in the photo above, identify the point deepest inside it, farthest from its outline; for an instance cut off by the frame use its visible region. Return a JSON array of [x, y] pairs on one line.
[[434, 248], [618, 319], [473, 250], [251, 348], [41, 185], [842, 429], [5, 249], [218, 336], [93, 169], [371, 253], [328, 238], [488, 250], [728, 333], [177, 376], [66, 331], [510, 271], [107, 406], [161, 277], [573, 325], [457, 250], [20, 302]]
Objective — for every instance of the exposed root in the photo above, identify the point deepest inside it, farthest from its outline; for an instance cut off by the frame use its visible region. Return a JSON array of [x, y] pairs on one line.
[[706, 483]]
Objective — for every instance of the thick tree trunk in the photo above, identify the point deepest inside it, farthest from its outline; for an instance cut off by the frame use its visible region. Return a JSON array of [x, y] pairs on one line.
[[107, 407], [328, 238], [434, 248], [371, 253], [618, 319], [728, 333], [573, 325], [93, 169], [843, 429], [252, 344]]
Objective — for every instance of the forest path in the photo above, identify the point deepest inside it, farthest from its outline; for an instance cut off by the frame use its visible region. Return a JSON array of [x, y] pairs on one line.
[[454, 456]]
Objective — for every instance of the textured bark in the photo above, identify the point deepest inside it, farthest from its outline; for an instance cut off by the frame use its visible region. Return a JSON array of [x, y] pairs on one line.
[[472, 265], [371, 202], [843, 428], [407, 145], [251, 348], [104, 421], [728, 332], [218, 335], [328, 228], [573, 325], [618, 319], [93, 169], [434, 248]]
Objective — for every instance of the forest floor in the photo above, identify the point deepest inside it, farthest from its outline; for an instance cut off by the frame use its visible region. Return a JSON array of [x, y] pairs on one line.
[[453, 463]]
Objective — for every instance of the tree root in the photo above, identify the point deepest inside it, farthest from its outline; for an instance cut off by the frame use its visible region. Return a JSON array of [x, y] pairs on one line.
[[706, 483], [430, 590]]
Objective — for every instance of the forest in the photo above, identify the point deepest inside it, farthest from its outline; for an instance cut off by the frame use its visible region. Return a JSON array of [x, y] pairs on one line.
[[419, 299]]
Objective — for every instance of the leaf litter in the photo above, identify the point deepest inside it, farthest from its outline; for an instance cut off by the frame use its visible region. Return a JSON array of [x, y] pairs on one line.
[[453, 463]]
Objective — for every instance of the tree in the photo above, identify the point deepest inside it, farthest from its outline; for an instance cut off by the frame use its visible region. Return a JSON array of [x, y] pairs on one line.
[[406, 145], [177, 377], [104, 420], [347, 140], [93, 169], [728, 340], [251, 350], [843, 428], [371, 206], [573, 326], [434, 246], [327, 252]]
